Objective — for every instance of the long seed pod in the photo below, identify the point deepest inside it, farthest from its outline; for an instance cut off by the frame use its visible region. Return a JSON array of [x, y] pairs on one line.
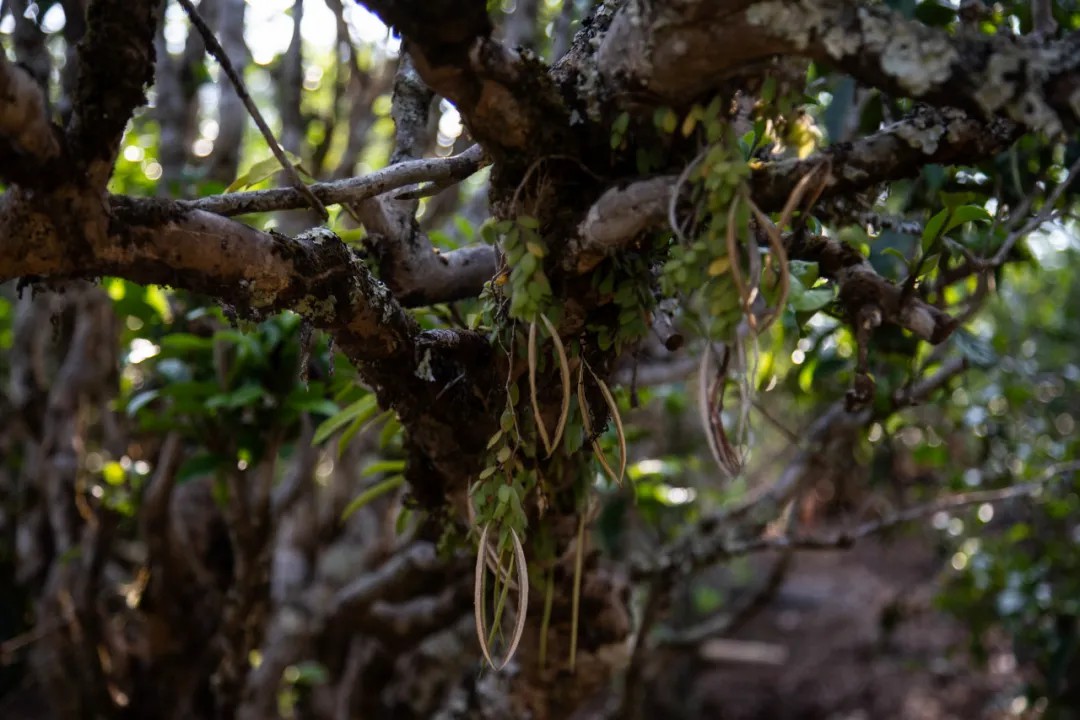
[[532, 390], [523, 597], [478, 595], [586, 424], [564, 372], [620, 433], [776, 244], [711, 386], [522, 569]]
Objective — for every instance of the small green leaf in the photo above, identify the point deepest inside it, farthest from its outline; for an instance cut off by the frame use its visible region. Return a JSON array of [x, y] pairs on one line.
[[390, 430], [307, 673], [374, 492], [933, 229], [895, 252], [966, 214], [621, 123], [363, 408], [261, 171], [383, 466], [246, 395], [954, 200], [185, 342], [156, 298], [315, 406], [813, 299], [139, 401], [806, 272]]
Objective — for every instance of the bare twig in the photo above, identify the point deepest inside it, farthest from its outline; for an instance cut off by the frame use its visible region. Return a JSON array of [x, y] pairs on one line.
[[727, 622], [350, 190], [846, 538], [1034, 223], [215, 49]]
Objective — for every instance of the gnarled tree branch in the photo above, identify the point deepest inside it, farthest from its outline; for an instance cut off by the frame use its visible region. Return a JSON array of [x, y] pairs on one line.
[[27, 138], [116, 64]]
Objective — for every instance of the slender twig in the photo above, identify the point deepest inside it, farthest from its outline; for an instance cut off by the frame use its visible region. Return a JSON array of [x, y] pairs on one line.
[[846, 538], [776, 423], [1044, 214], [746, 608], [912, 394], [215, 49], [350, 190], [8, 648]]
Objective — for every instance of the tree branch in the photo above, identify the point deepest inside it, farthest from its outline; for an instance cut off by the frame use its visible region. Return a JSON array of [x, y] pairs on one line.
[[506, 101], [215, 49], [678, 52], [847, 538], [1037, 85], [337, 192], [897, 151], [27, 138], [739, 530], [408, 261], [862, 290], [116, 64], [315, 275]]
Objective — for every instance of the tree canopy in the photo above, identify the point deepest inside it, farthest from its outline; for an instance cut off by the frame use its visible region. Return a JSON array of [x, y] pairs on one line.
[[415, 358]]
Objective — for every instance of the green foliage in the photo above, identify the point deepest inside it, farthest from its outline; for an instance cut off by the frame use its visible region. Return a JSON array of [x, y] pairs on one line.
[[699, 269], [1017, 567], [524, 251], [222, 388]]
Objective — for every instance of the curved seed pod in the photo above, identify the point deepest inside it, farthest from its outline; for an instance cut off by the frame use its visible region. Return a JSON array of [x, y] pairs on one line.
[[532, 390], [564, 371], [478, 595], [523, 597], [620, 433]]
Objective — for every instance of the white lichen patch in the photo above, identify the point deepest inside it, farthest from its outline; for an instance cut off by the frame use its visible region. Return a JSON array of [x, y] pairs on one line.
[[315, 307], [423, 368], [925, 138], [840, 43], [996, 88], [919, 58], [318, 235], [1033, 111], [955, 124], [793, 21]]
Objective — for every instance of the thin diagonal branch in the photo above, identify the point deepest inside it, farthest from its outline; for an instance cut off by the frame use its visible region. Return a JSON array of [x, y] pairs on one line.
[[847, 538], [215, 49], [347, 191], [900, 150]]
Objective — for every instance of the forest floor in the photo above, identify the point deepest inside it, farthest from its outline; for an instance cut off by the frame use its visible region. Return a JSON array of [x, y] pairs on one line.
[[848, 635]]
